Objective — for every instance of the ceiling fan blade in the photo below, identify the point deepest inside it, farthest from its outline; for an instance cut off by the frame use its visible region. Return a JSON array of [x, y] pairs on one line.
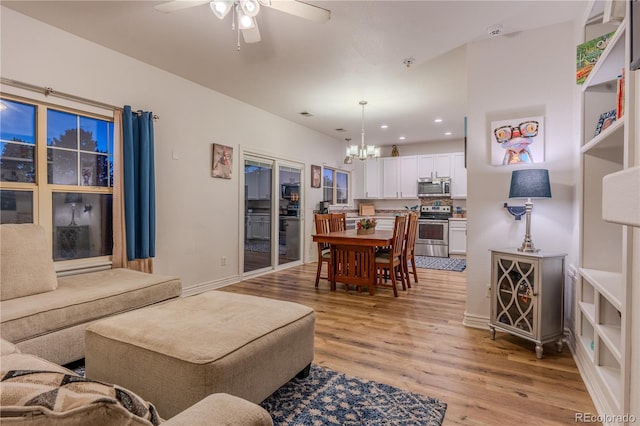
[[301, 9], [251, 35], [176, 5]]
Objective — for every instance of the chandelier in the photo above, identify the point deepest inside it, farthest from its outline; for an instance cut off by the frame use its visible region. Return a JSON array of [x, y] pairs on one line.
[[363, 152]]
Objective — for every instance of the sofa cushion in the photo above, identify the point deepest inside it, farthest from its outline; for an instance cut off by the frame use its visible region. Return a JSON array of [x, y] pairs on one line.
[[62, 398], [26, 263], [20, 361], [82, 298], [7, 348]]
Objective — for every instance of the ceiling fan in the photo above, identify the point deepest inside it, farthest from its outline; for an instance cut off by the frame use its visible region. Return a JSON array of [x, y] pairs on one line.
[[245, 11]]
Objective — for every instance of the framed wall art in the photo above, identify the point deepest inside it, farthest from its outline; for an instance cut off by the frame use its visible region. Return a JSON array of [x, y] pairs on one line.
[[517, 141], [316, 176], [222, 161]]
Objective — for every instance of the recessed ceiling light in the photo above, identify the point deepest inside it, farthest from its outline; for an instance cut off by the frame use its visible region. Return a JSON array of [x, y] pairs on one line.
[[447, 133], [384, 126], [438, 120], [402, 138], [340, 129], [306, 114]]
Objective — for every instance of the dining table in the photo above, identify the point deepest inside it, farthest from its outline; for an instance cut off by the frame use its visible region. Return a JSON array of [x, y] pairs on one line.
[[353, 255]]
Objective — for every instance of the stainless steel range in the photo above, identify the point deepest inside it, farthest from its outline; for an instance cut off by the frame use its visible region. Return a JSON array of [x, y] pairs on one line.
[[433, 231]]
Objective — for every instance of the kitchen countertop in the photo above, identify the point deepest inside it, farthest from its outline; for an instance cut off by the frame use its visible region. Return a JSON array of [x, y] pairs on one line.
[[457, 218]]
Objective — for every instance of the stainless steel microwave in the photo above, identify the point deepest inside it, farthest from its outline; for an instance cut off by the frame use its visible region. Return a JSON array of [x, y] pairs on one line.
[[434, 187]]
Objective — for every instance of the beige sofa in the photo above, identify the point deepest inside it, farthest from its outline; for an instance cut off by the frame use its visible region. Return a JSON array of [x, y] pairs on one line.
[[45, 315], [37, 392]]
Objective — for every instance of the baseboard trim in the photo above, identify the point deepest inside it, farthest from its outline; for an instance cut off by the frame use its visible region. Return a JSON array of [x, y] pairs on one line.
[[210, 285], [475, 321]]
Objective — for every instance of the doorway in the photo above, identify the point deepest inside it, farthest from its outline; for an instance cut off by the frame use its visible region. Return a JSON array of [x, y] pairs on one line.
[[272, 213]]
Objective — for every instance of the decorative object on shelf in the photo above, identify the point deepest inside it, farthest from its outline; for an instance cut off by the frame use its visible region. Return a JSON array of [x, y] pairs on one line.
[[362, 153], [316, 176], [394, 151], [366, 226], [222, 163], [606, 119], [529, 183], [518, 141], [620, 95], [588, 53], [74, 199]]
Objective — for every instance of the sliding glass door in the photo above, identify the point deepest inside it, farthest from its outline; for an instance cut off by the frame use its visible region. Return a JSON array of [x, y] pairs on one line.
[[258, 212], [289, 218], [272, 213]]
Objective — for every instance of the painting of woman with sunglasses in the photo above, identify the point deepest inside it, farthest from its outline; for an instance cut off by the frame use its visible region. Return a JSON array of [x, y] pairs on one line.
[[519, 141]]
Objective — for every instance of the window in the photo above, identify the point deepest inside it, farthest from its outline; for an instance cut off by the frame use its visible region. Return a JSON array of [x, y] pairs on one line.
[[335, 186], [56, 170]]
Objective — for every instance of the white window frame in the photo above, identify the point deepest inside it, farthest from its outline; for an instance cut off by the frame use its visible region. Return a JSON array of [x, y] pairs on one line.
[[43, 191]]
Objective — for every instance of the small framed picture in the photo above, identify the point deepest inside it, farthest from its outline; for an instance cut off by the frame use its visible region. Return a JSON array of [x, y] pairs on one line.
[[606, 119], [222, 161], [316, 176]]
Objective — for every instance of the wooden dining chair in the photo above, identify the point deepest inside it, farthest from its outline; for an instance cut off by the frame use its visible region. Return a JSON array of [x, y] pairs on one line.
[[392, 260], [323, 226], [338, 221], [408, 250]]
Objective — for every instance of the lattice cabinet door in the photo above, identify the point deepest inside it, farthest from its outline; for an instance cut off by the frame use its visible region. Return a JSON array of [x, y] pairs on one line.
[[527, 292]]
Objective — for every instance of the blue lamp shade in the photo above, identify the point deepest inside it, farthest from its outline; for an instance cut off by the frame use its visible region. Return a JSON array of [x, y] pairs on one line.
[[530, 183]]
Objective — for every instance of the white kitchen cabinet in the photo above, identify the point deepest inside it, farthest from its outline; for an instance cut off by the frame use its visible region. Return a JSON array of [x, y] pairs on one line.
[[259, 227], [458, 176], [264, 184], [357, 180], [372, 178], [258, 184], [385, 223], [408, 177], [399, 177], [433, 166], [390, 173], [457, 236]]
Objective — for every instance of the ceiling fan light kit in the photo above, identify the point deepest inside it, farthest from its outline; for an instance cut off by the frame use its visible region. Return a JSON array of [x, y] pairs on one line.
[[250, 7], [247, 10], [221, 8]]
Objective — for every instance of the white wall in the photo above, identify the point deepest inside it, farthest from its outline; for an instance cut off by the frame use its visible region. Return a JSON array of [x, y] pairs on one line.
[[198, 217], [517, 75]]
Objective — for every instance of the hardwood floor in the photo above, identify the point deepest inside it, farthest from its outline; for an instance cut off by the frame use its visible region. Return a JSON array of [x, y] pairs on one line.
[[417, 342]]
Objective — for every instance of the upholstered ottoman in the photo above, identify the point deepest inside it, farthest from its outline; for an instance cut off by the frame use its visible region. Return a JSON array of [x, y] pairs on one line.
[[177, 353]]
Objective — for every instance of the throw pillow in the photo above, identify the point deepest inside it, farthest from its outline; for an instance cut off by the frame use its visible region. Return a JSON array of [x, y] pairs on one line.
[[62, 397], [26, 263]]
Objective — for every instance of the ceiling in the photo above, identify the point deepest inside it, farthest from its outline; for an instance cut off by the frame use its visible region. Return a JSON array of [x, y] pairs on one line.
[[323, 69]]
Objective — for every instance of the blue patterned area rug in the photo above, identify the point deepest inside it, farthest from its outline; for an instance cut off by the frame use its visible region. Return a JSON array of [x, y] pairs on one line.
[[327, 397], [441, 263]]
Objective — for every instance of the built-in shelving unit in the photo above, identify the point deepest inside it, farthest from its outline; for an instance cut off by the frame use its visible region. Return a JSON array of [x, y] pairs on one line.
[[603, 290]]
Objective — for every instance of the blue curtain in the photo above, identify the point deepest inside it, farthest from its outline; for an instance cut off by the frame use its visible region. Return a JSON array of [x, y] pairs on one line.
[[139, 184]]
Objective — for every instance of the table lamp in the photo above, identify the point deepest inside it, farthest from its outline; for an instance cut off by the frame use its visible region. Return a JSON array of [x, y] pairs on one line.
[[73, 198], [530, 183]]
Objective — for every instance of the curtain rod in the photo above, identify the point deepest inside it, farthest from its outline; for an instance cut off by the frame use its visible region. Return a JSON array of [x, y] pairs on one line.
[[48, 91]]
